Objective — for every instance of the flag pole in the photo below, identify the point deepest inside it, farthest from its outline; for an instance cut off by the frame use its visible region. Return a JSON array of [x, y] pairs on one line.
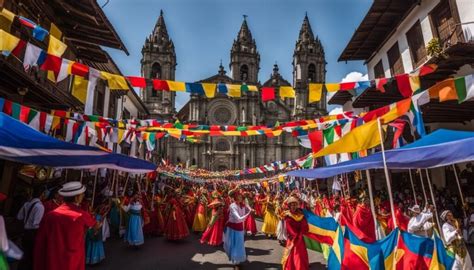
[[387, 177], [423, 186], [433, 199], [460, 190], [93, 190], [412, 186], [371, 197]]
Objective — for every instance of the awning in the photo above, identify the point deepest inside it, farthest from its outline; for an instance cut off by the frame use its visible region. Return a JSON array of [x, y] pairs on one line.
[[20, 143], [440, 148]]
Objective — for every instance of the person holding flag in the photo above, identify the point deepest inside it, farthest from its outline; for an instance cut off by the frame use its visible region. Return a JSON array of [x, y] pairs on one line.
[[452, 235]]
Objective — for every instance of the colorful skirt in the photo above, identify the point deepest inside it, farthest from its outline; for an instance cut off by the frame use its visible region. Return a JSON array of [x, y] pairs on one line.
[[250, 225], [200, 219], [270, 223], [134, 233], [234, 245], [94, 248], [176, 227], [213, 234]]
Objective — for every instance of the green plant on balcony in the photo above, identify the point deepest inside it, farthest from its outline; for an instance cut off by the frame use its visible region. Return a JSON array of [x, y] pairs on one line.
[[434, 48]]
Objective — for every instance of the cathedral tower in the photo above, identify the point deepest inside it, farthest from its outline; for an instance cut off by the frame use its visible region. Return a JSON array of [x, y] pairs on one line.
[[244, 57], [159, 62], [309, 65]]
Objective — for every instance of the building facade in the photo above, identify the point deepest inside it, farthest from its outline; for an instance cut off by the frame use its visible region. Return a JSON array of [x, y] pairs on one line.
[[221, 153]]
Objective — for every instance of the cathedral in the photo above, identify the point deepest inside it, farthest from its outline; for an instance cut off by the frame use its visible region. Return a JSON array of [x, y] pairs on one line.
[[222, 153]]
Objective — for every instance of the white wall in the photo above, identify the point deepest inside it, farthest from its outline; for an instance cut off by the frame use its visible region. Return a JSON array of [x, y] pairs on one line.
[[420, 12], [466, 15]]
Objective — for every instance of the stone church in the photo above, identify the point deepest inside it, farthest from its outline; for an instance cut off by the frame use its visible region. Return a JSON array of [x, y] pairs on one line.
[[221, 153]]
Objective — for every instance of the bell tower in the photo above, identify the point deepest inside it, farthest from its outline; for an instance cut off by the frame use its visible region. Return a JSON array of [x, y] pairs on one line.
[[244, 57], [309, 66], [159, 62]]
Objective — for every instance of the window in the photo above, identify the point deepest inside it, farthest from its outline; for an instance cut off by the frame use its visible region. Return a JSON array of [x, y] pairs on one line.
[[312, 73], [416, 45], [222, 145], [154, 93], [155, 71], [99, 102], [395, 60], [378, 70], [244, 73], [445, 24]]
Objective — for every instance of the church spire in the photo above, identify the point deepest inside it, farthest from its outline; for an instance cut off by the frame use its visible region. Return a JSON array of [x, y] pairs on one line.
[[160, 32], [306, 33], [244, 34]]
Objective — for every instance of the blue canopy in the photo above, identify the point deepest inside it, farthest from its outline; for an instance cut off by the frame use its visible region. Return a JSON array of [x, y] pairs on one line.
[[21, 143], [440, 148]]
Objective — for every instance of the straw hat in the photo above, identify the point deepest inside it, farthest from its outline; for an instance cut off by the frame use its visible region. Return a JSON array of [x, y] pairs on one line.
[[215, 202], [292, 199], [415, 209], [444, 214], [72, 189]]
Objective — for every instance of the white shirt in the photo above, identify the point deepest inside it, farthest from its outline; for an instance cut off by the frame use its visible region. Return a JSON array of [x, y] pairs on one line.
[[36, 214], [3, 236], [238, 214], [419, 224], [449, 232]]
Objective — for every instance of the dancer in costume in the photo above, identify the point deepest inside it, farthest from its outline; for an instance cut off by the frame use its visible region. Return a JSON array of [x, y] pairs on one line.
[[295, 256], [200, 217], [95, 252], [176, 227], [134, 232], [452, 234], [250, 223], [281, 229], [234, 230], [215, 229], [270, 220]]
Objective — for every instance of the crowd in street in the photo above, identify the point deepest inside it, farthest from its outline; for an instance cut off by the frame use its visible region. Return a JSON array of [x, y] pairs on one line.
[[70, 221]]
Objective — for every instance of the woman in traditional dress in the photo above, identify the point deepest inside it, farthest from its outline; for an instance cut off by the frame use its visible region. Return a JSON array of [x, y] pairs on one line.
[[215, 229], [176, 227], [234, 231], [452, 235], [250, 223], [134, 232], [295, 256], [94, 243], [260, 204], [270, 220], [281, 230], [200, 218], [114, 216]]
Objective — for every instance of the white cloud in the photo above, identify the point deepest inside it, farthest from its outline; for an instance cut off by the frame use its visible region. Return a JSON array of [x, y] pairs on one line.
[[355, 76], [336, 110]]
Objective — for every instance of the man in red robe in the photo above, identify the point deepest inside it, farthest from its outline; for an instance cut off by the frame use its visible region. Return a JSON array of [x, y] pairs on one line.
[[295, 256], [61, 237], [363, 222]]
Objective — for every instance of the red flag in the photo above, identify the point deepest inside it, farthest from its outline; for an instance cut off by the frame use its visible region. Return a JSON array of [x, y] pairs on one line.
[[380, 83], [42, 121], [24, 112], [19, 48], [137, 81], [399, 125], [316, 139], [268, 93], [52, 63], [374, 114], [403, 84], [427, 69], [348, 85], [79, 69], [7, 107], [160, 85]]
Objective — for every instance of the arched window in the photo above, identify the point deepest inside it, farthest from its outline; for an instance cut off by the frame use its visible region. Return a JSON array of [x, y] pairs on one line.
[[155, 71], [244, 73], [222, 145], [312, 73]]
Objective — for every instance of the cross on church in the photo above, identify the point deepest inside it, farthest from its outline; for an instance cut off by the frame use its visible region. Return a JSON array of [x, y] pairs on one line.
[[245, 17]]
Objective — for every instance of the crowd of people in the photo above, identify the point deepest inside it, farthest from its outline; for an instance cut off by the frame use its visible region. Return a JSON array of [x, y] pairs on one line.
[[75, 223]]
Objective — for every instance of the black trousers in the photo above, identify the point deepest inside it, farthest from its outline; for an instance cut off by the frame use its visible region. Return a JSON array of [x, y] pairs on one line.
[[28, 246]]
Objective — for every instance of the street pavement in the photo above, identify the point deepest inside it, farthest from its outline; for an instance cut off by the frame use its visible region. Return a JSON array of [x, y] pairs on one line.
[[158, 253]]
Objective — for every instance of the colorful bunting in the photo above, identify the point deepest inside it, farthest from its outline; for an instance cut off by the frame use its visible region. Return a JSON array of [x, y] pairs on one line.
[[268, 94]]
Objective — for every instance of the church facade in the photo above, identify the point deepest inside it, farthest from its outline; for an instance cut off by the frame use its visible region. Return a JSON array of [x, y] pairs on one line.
[[221, 153]]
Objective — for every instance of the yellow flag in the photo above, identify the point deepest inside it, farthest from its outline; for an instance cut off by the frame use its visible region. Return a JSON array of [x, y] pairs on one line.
[[233, 90], [414, 83], [79, 88], [6, 19], [332, 87], [252, 88], [287, 92], [209, 89], [177, 86], [56, 48], [116, 82], [315, 92], [8, 42], [55, 32], [360, 138]]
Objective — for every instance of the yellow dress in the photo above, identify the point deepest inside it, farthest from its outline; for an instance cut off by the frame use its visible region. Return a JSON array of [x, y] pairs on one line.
[[200, 218], [270, 221]]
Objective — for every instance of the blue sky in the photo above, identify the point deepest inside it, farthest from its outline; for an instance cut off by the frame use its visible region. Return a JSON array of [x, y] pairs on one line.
[[203, 32]]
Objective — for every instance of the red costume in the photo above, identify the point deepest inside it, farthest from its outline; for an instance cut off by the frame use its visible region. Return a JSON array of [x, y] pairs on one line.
[[50, 205], [176, 227], [215, 229], [60, 242], [296, 255], [363, 224], [402, 220]]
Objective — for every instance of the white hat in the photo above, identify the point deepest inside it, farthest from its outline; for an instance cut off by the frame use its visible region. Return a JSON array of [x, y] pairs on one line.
[[72, 189], [416, 209], [444, 214]]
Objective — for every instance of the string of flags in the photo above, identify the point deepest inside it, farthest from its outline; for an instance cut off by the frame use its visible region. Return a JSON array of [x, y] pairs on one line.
[[61, 68]]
